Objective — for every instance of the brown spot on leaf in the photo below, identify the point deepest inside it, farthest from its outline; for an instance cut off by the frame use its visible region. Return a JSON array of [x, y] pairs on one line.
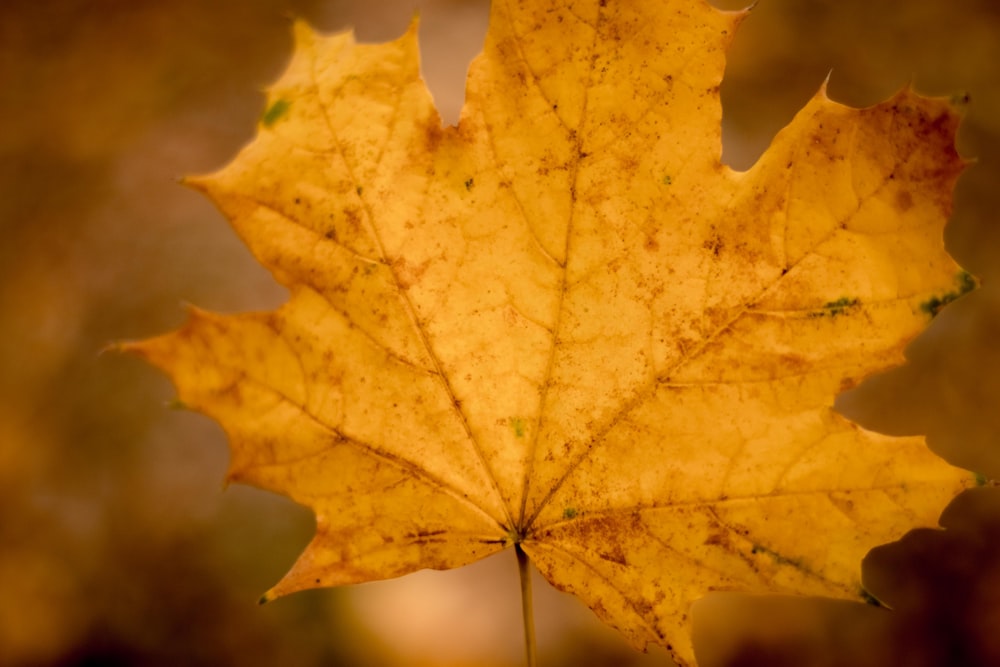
[[904, 201]]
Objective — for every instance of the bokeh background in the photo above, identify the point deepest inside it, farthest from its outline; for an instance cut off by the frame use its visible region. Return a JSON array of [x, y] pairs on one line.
[[118, 545]]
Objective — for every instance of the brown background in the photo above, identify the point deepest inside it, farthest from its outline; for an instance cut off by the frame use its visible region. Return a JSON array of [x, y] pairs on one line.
[[117, 546]]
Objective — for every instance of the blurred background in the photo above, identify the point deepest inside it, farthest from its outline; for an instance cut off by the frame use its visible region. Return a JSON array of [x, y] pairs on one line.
[[118, 545]]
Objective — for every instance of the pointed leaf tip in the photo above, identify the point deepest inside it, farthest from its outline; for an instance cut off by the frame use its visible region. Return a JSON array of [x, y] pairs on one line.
[[304, 35], [197, 182], [414, 24]]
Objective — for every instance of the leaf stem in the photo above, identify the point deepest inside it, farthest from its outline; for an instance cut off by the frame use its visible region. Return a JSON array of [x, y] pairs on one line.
[[526, 606]]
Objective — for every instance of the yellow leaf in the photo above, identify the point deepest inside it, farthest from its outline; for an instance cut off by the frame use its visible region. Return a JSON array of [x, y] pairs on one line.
[[566, 324]]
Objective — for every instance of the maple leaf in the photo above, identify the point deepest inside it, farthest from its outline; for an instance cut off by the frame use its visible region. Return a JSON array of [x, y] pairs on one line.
[[565, 325]]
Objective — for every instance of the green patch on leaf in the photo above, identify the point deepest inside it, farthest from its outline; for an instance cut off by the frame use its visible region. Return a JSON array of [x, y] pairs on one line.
[[569, 513], [960, 99], [981, 479], [779, 558], [667, 180], [835, 308], [519, 426], [869, 598], [274, 112], [965, 283]]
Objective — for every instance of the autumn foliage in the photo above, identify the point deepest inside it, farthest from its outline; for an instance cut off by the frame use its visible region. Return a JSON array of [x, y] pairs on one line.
[[565, 324]]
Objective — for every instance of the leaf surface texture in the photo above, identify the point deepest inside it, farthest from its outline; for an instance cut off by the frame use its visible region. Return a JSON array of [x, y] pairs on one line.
[[566, 323]]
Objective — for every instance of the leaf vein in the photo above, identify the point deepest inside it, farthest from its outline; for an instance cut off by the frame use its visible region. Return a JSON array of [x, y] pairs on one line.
[[409, 467], [411, 310]]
